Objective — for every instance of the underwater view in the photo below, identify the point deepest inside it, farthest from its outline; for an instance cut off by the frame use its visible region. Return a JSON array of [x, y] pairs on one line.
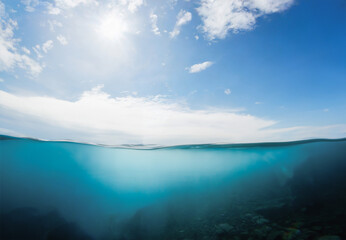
[[271, 191]]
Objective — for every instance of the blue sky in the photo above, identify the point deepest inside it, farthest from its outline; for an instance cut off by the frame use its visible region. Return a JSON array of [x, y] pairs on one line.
[[173, 72]]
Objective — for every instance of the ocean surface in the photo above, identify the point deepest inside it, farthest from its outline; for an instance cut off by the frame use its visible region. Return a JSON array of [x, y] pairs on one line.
[[67, 190]]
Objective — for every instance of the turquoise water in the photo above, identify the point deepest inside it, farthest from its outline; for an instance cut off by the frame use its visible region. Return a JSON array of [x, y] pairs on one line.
[[181, 192]]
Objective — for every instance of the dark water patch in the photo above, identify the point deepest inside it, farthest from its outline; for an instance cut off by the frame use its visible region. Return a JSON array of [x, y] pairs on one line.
[[29, 223]]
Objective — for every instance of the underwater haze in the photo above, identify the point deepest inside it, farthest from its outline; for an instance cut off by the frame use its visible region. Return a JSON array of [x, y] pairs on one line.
[[67, 190]]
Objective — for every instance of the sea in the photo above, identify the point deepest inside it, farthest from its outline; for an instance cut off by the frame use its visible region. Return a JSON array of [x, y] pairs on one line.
[[271, 191]]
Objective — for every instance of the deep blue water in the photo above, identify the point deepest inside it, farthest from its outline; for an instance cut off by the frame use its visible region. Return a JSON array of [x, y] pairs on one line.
[[281, 190]]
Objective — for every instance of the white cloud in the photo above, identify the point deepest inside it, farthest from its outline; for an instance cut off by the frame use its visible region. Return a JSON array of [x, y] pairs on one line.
[[8, 132], [65, 4], [172, 3], [2, 9], [227, 91], [62, 40], [37, 50], [52, 24], [30, 5], [199, 67], [2, 80], [182, 18], [257, 103], [60, 5], [27, 51], [132, 5], [52, 9], [9, 53], [135, 4], [154, 28], [146, 120], [196, 37], [48, 45], [221, 16], [269, 6], [28, 63]]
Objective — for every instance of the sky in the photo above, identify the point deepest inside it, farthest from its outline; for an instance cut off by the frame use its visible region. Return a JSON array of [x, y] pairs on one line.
[[173, 72]]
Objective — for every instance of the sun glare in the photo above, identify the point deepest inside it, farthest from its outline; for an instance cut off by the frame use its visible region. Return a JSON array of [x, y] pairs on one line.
[[112, 26]]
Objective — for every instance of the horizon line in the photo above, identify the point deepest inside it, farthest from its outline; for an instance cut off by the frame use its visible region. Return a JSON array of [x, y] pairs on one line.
[[182, 146]]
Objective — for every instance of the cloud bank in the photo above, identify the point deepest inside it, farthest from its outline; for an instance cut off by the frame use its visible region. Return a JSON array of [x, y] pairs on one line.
[[98, 117]]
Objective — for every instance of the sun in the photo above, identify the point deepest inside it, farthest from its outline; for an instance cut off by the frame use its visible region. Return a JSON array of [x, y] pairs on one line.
[[112, 26]]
